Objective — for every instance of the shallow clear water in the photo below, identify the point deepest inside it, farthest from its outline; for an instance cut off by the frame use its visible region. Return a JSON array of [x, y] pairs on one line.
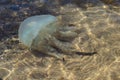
[[100, 32]]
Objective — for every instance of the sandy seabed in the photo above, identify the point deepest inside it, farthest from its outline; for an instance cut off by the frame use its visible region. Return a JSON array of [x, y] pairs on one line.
[[100, 32]]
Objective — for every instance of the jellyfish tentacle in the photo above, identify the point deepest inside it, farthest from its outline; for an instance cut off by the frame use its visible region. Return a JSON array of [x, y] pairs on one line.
[[70, 28], [65, 47], [53, 52], [56, 55], [66, 36]]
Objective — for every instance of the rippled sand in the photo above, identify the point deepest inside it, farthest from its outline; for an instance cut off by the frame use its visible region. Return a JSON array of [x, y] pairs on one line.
[[100, 32]]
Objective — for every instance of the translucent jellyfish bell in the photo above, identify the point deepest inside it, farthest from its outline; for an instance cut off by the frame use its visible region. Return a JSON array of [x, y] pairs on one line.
[[31, 26]]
